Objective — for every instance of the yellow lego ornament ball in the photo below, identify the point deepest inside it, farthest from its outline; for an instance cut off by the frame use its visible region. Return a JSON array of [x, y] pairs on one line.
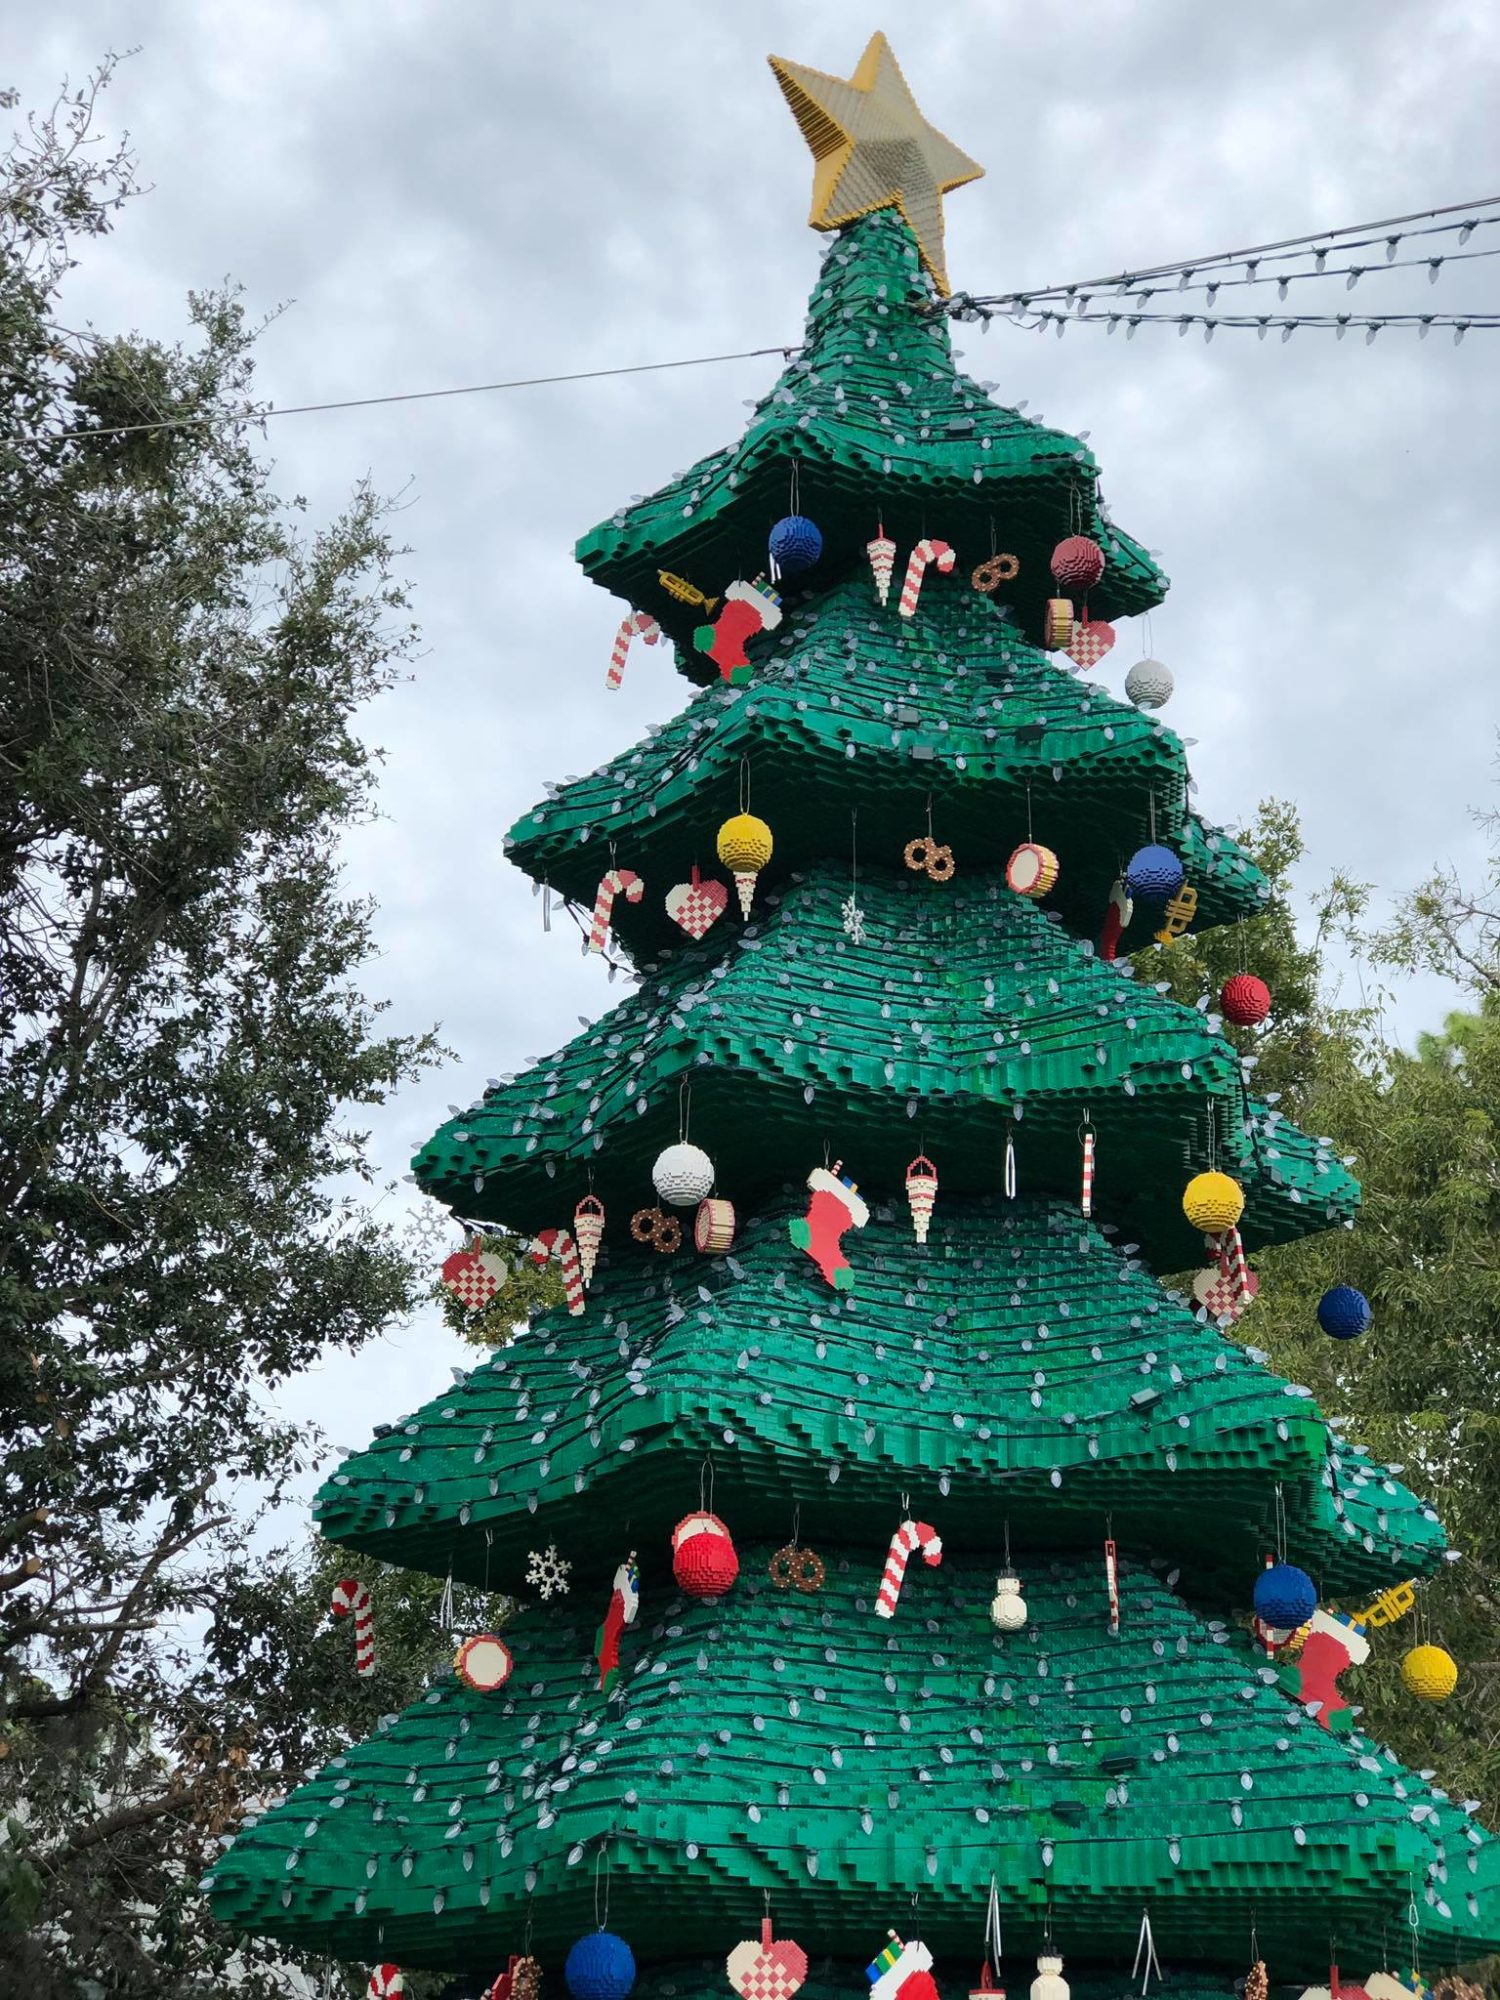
[[745, 846], [1213, 1203], [1430, 1672]]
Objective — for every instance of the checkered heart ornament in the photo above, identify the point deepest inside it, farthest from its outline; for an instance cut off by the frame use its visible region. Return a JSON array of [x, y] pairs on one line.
[[770, 1970], [696, 906]]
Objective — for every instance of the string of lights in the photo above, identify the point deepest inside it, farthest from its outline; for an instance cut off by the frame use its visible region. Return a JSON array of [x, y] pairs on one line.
[[1261, 324], [1024, 308], [1317, 244]]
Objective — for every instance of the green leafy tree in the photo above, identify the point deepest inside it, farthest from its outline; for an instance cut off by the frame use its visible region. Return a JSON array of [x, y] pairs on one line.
[[185, 1055]]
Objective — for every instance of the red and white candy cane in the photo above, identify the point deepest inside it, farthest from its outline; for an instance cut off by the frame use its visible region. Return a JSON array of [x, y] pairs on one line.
[[351, 1598], [909, 1536], [618, 882], [1232, 1261], [924, 553], [386, 1983], [1112, 1580], [637, 625], [559, 1243], [1086, 1192]]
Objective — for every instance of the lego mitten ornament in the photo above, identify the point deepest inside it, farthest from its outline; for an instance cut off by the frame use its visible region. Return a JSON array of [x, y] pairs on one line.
[[835, 1207], [748, 608]]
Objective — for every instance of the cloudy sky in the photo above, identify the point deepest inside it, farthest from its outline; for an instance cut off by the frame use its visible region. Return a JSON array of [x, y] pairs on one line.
[[443, 192]]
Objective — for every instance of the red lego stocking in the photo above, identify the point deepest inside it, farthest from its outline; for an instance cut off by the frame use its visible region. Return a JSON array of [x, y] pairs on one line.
[[835, 1207], [748, 608], [1334, 1643]]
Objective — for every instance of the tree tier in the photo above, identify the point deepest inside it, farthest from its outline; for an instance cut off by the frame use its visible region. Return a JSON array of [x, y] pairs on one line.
[[962, 1019], [853, 709], [1016, 1374], [799, 1748], [881, 429]]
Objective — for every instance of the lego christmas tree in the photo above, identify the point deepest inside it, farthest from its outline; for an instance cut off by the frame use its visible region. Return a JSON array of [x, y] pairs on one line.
[[888, 1167]]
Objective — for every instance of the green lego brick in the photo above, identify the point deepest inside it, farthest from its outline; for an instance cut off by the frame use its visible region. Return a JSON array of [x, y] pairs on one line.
[[963, 1019], [882, 430], [798, 1747], [854, 708], [1016, 1374]]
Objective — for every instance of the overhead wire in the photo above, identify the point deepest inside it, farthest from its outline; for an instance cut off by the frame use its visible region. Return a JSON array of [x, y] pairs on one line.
[[1019, 307]]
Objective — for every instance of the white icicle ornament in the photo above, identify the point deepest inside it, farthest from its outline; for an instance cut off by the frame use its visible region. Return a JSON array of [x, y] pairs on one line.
[[1007, 1606], [1049, 1983]]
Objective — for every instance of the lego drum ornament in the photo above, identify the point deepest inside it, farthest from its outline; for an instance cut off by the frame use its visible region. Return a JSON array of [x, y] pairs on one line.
[[713, 1227], [483, 1663], [921, 1192], [1078, 564], [1032, 870], [1057, 627], [1149, 684], [1213, 1203], [745, 846], [704, 1561], [600, 1966], [1007, 1606], [1430, 1672], [1245, 1000], [682, 1175]]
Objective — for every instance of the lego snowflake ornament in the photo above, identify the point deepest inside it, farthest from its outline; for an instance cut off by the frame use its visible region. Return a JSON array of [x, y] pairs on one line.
[[547, 1572]]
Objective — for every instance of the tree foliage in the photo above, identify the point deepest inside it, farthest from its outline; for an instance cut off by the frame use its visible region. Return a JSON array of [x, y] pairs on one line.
[[184, 1056]]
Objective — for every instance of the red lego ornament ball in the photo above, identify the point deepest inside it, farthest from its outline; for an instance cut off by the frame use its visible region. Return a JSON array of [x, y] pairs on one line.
[[704, 1561], [1245, 1000]]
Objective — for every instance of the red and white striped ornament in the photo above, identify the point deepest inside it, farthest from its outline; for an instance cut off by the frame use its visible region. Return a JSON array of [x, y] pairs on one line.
[[921, 1193], [910, 1536], [1218, 1293], [386, 1983], [588, 1234], [882, 554], [351, 1599], [635, 625], [1086, 1191], [559, 1243], [1232, 1262], [618, 882], [929, 550], [1112, 1583]]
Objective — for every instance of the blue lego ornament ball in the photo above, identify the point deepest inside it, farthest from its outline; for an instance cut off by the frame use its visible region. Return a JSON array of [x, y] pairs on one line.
[[1153, 873], [1343, 1312], [1285, 1596], [600, 1966], [795, 545]]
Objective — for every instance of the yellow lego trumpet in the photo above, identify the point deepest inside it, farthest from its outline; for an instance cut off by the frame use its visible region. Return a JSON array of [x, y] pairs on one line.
[[1179, 914]]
